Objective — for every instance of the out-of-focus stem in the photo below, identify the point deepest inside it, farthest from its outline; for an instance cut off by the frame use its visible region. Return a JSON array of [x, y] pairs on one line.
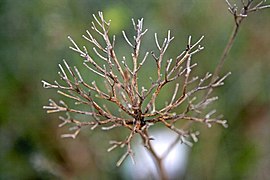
[[226, 51], [158, 160]]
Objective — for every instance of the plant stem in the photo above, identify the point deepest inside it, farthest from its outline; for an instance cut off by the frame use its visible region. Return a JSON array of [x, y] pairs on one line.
[[158, 160], [226, 50], [159, 165]]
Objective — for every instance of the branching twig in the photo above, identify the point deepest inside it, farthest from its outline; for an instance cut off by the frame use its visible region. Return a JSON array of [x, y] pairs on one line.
[[137, 106]]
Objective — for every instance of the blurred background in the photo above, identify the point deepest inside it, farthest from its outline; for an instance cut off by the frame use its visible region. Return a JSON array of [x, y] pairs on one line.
[[33, 40]]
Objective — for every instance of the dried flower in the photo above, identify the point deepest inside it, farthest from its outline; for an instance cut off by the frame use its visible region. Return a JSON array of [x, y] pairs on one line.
[[136, 102]]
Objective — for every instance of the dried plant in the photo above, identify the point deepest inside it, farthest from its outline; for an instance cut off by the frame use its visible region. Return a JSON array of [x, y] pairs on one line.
[[136, 103]]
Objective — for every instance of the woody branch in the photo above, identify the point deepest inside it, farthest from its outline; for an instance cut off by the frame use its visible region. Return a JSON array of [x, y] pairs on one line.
[[122, 90]]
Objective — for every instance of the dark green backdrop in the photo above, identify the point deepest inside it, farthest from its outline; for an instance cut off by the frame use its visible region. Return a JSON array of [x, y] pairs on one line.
[[33, 40]]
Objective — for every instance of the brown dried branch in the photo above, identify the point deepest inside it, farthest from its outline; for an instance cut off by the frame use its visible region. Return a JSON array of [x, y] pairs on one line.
[[239, 16], [124, 92], [120, 88]]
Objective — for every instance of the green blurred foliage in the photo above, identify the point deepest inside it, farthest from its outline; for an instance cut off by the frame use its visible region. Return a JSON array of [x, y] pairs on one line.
[[33, 41]]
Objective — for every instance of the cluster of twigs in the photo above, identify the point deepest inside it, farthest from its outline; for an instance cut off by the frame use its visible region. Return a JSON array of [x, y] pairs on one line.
[[138, 103], [123, 88], [239, 15]]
